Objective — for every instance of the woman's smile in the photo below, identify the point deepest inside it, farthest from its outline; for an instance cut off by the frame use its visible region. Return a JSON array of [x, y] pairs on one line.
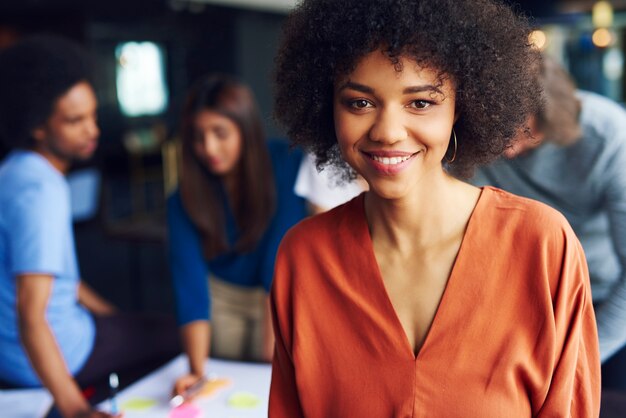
[[390, 162]]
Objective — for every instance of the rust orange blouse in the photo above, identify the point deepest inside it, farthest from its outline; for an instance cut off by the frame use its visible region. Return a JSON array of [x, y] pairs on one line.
[[514, 334]]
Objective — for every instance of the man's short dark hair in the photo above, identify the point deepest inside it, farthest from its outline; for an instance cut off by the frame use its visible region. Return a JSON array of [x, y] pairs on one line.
[[34, 74]]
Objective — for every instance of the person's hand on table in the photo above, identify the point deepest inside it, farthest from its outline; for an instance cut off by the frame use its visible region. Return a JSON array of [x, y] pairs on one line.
[[184, 382]]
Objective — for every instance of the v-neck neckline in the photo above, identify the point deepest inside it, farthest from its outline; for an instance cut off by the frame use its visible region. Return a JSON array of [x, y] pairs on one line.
[[448, 289]]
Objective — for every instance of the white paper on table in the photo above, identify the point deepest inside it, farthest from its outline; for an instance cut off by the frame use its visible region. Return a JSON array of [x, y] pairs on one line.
[[25, 403], [252, 378]]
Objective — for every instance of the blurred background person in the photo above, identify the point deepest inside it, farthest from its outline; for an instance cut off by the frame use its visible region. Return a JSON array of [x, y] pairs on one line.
[[234, 202], [575, 161], [56, 331], [323, 190]]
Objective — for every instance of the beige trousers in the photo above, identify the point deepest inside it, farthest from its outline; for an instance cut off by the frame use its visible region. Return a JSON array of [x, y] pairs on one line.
[[236, 321]]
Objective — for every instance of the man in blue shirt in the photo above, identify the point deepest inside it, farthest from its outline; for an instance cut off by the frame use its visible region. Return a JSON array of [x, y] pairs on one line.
[[54, 330]]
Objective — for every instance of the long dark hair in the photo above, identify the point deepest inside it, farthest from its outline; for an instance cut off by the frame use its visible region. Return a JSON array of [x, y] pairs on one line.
[[200, 190]]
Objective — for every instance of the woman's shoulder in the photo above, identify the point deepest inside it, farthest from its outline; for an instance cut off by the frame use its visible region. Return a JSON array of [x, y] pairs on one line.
[[173, 200], [328, 229], [284, 157], [175, 207], [280, 147], [510, 212], [285, 165]]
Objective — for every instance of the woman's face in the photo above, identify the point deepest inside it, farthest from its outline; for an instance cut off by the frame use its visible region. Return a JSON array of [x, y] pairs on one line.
[[393, 127], [217, 142]]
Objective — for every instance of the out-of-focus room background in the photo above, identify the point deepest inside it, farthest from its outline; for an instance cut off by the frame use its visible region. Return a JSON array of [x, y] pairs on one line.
[[146, 54]]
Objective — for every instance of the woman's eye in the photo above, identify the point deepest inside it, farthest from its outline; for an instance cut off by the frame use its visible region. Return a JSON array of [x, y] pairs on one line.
[[360, 104], [221, 133], [420, 104]]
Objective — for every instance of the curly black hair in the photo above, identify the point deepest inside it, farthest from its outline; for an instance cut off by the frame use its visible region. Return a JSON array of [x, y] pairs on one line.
[[34, 73], [481, 45]]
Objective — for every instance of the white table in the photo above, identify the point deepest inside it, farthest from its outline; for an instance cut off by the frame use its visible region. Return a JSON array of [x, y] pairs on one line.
[[24, 403], [250, 378]]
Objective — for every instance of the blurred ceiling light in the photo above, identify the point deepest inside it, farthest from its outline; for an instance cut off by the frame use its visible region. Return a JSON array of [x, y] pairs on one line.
[[602, 37], [538, 39], [602, 14]]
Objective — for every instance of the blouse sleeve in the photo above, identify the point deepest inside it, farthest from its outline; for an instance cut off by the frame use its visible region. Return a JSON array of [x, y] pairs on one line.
[[574, 390], [188, 268], [284, 399]]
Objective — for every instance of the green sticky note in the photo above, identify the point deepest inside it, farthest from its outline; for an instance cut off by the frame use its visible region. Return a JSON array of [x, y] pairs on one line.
[[138, 404], [243, 400]]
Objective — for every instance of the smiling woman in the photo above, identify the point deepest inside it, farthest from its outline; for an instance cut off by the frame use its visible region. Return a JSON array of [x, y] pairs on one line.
[[393, 128], [460, 301]]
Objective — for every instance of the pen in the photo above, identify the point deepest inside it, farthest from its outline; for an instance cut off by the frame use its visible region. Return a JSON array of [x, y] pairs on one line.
[[113, 385], [188, 393]]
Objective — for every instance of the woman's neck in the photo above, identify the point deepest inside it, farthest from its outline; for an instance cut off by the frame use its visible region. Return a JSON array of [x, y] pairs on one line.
[[430, 215]]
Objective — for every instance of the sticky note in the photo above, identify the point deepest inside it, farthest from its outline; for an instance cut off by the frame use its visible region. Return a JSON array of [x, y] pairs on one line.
[[213, 385], [243, 400], [138, 404], [186, 410]]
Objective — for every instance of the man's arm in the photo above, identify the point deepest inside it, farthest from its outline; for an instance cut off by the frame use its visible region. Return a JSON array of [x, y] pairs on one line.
[[611, 312], [33, 293], [94, 302]]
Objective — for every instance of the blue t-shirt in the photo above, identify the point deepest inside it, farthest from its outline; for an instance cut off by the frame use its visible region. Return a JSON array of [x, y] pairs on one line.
[[36, 237], [251, 269]]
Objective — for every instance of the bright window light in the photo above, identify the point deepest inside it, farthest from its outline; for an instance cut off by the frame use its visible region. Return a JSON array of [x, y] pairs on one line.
[[140, 78]]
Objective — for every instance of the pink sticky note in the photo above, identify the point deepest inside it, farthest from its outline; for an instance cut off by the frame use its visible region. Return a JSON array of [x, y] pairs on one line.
[[186, 410]]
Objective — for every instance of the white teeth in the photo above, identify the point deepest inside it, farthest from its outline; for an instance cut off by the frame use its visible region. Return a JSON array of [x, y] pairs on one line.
[[390, 161]]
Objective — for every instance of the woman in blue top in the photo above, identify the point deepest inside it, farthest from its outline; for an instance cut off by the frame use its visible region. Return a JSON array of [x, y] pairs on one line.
[[234, 203]]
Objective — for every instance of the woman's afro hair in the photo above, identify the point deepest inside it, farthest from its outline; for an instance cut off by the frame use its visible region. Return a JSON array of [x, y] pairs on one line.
[[481, 45]]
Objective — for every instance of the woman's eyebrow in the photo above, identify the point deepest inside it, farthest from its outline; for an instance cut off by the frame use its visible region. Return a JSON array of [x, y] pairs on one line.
[[408, 90], [356, 86], [420, 89]]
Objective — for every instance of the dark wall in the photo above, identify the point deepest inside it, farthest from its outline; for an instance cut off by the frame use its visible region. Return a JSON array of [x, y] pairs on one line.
[[257, 37], [535, 8]]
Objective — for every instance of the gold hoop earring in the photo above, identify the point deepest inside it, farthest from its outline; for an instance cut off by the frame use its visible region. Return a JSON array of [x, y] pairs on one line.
[[451, 160]]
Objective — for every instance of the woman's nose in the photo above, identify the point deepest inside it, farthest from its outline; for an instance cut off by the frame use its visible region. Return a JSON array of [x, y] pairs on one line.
[[209, 144], [388, 127]]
